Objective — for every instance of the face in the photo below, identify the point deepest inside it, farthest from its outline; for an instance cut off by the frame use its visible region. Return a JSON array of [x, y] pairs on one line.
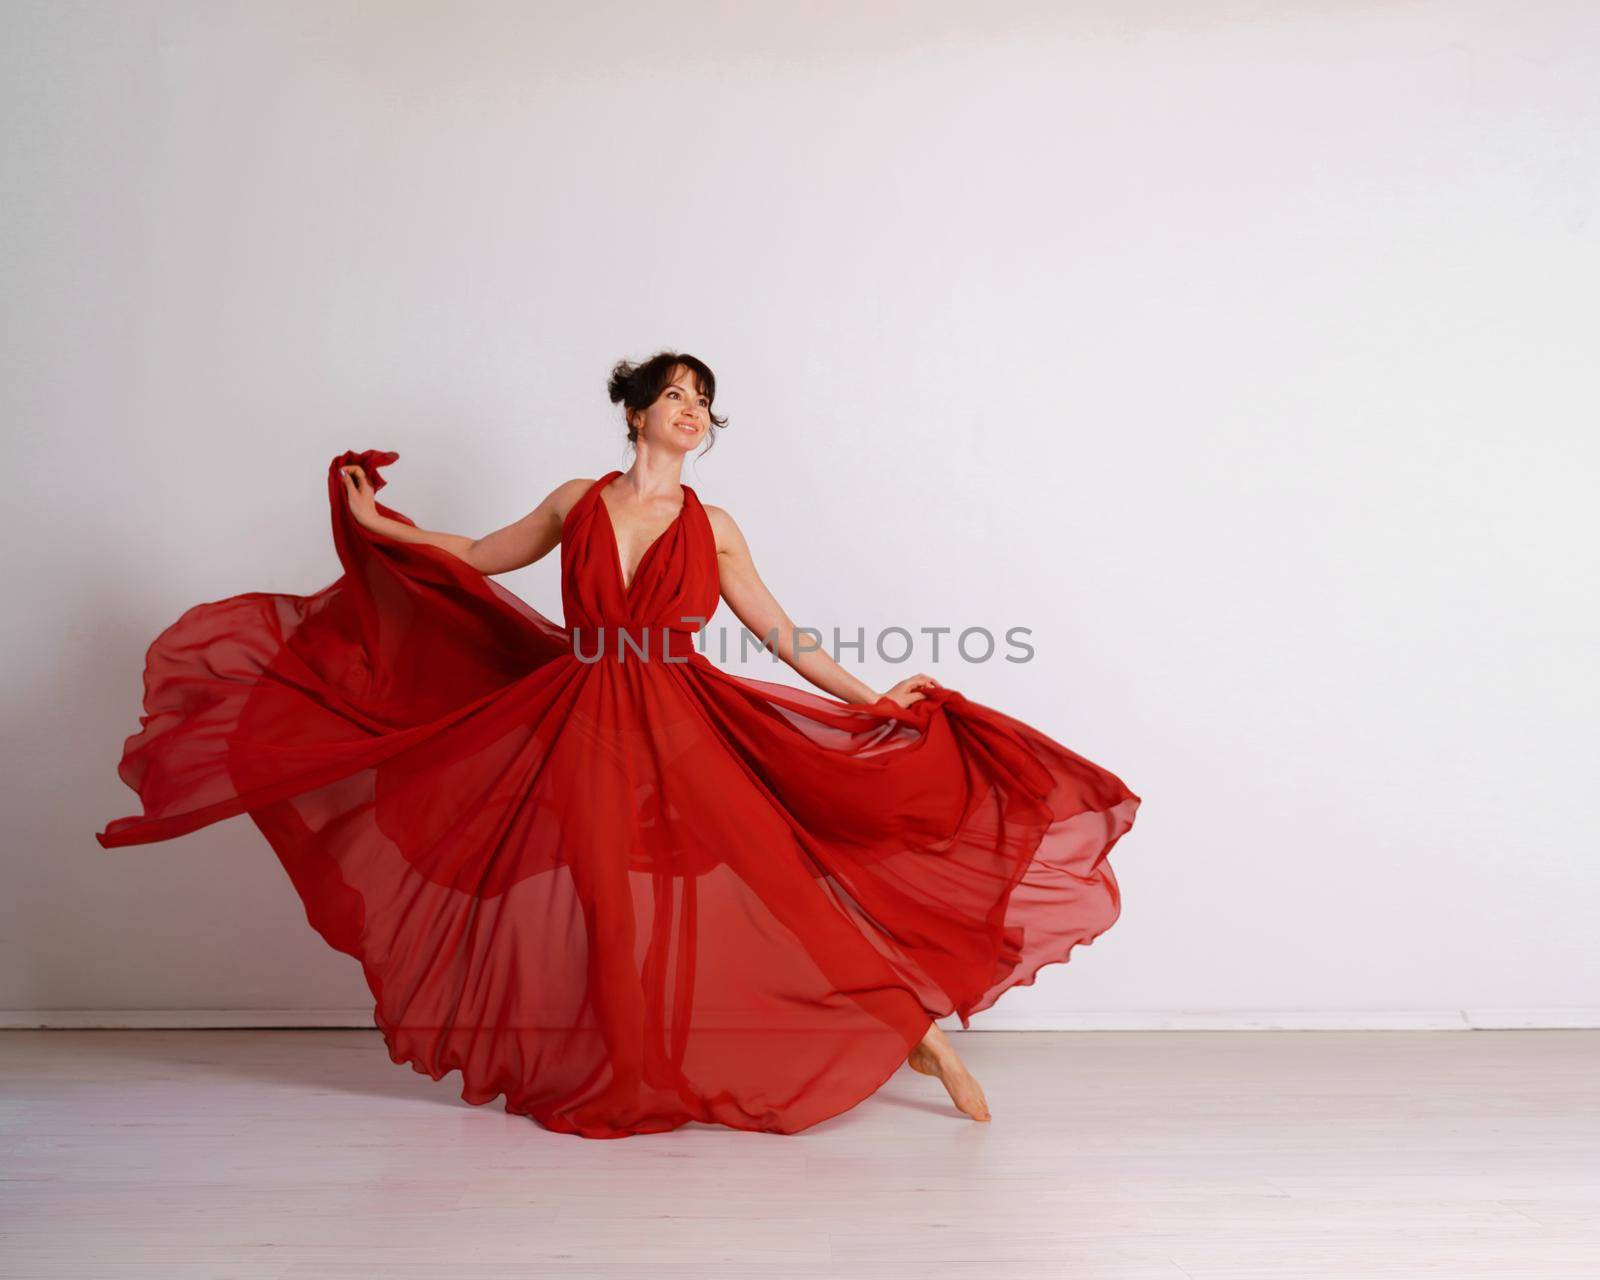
[[681, 414]]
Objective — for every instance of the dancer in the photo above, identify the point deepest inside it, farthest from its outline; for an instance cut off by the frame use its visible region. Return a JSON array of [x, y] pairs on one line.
[[584, 865]]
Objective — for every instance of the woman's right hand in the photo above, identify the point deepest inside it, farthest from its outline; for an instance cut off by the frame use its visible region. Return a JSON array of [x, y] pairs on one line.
[[358, 492]]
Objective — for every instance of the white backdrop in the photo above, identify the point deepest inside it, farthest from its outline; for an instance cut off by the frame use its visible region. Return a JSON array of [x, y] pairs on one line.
[[1243, 351]]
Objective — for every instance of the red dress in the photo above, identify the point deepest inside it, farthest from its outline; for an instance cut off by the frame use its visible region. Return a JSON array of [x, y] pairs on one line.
[[625, 892]]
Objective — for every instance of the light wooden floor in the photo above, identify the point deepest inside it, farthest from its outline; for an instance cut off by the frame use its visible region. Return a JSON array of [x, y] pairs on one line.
[[1271, 1155]]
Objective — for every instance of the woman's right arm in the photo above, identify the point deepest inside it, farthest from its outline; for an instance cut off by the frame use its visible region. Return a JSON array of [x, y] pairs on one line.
[[516, 545]]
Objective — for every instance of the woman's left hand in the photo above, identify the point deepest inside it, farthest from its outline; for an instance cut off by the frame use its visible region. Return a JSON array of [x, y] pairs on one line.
[[905, 693]]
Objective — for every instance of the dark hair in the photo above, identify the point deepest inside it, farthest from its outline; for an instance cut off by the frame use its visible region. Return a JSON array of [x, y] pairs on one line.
[[638, 386]]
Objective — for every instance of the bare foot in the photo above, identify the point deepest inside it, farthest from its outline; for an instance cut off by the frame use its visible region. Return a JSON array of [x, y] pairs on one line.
[[936, 1056]]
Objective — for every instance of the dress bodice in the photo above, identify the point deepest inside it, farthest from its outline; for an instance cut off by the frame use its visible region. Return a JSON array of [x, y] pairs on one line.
[[675, 586]]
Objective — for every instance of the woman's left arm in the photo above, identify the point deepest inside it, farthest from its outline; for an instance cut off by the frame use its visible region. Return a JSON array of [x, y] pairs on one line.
[[756, 607]]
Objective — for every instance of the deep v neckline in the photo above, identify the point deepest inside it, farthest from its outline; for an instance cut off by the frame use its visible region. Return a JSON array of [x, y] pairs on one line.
[[611, 530]]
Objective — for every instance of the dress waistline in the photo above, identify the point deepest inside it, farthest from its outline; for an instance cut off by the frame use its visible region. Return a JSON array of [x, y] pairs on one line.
[[615, 642]]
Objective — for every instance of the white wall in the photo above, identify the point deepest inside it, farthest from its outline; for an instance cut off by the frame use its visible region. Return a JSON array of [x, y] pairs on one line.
[[1243, 351]]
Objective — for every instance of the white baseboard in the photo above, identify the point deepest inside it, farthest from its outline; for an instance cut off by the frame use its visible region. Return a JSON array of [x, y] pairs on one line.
[[183, 1019], [990, 1020], [1288, 1020]]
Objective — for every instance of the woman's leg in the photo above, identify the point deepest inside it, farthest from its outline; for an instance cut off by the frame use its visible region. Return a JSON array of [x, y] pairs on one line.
[[936, 1056]]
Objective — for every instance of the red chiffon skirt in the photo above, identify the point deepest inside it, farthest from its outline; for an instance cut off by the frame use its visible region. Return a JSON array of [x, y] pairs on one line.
[[592, 871]]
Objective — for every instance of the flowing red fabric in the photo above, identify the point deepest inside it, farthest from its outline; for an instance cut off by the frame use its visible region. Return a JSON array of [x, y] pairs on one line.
[[591, 870]]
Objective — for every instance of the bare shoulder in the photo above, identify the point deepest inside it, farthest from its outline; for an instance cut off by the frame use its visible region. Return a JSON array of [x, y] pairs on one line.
[[565, 495], [728, 534]]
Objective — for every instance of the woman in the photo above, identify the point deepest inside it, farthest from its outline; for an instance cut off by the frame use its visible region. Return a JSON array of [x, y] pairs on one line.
[[586, 866]]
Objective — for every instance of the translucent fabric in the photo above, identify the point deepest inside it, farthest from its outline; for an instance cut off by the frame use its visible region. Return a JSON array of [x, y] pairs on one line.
[[591, 870]]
